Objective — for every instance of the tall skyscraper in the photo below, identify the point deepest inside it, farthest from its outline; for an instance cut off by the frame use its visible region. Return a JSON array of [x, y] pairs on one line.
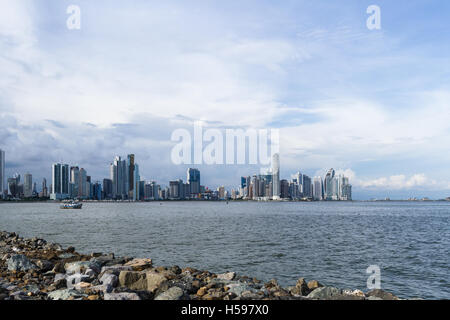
[[329, 184], [131, 178], [119, 178], [276, 176], [317, 188], [74, 182], [83, 186], [28, 185], [2, 174], [44, 188], [60, 181], [193, 179]]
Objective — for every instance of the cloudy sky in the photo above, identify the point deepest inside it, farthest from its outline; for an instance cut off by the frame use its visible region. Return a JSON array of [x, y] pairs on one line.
[[374, 104]]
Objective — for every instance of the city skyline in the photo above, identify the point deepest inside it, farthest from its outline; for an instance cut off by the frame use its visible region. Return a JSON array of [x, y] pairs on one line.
[[373, 104], [72, 181]]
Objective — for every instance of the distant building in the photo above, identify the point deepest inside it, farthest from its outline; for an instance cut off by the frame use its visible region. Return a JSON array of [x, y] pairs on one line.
[[28, 185], [3, 185], [60, 181], [317, 188], [276, 176], [193, 179]]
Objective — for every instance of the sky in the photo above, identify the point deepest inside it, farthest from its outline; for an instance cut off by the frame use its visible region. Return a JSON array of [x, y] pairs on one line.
[[373, 104]]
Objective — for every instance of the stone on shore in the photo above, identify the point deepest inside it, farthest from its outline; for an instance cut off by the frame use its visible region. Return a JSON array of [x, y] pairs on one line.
[[121, 296], [134, 280], [173, 293], [379, 293], [325, 293], [314, 284], [155, 281], [65, 294], [109, 279], [226, 276], [139, 264], [19, 262]]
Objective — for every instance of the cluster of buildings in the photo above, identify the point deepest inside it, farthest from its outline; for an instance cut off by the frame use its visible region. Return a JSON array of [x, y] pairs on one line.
[[300, 187], [124, 183]]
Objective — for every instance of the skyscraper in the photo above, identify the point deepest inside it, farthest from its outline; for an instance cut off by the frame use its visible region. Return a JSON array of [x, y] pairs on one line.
[[60, 181], [74, 181], [276, 176], [119, 178], [28, 185], [131, 178], [329, 185], [2, 174], [317, 188], [193, 179]]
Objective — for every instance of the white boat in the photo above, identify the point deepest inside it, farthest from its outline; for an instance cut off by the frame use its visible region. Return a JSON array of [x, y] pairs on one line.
[[71, 205]]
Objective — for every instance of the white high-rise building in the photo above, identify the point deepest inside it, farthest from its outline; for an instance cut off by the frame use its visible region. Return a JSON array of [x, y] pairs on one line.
[[276, 176], [2, 174], [317, 188], [119, 178]]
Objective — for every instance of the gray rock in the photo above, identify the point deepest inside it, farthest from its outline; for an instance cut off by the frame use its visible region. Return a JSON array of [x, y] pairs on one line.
[[121, 296], [73, 279], [379, 293], [109, 279], [65, 294], [116, 269], [59, 276], [19, 262], [79, 266], [105, 288], [174, 293], [44, 265], [325, 293], [134, 280], [226, 276], [238, 288]]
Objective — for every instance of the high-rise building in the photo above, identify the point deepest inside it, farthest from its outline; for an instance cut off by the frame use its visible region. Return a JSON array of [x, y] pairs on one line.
[[83, 185], [2, 175], [317, 188], [60, 181], [28, 185], [131, 177], [276, 176], [329, 185], [13, 185], [193, 179], [119, 178], [284, 186], [107, 189], [44, 192]]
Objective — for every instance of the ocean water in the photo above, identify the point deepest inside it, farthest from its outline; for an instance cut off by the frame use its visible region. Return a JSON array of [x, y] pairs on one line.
[[332, 242]]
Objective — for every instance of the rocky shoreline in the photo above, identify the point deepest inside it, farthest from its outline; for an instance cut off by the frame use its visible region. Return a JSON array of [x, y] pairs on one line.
[[33, 269]]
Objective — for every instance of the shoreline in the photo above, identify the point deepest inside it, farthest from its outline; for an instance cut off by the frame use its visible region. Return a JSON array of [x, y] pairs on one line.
[[33, 269]]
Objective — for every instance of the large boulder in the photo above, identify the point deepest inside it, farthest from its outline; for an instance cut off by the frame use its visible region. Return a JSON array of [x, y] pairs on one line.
[[19, 262], [121, 296], [134, 280], [74, 279], [226, 276], [155, 281], [314, 284], [325, 293], [65, 294], [139, 264], [384, 295], [173, 293], [82, 266], [301, 288], [109, 279]]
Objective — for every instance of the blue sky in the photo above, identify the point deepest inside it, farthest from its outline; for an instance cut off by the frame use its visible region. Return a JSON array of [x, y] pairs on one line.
[[372, 103]]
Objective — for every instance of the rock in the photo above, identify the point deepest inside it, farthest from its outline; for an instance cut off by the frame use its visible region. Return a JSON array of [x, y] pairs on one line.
[[19, 262], [44, 265], [139, 264], [174, 293], [356, 293], [202, 291], [65, 294], [238, 288], [121, 296], [226, 276], [325, 293], [102, 288], [155, 281], [314, 284], [373, 298], [80, 266], [90, 273], [115, 269], [379, 293], [93, 297], [76, 278], [134, 280], [109, 279], [82, 285], [301, 288]]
